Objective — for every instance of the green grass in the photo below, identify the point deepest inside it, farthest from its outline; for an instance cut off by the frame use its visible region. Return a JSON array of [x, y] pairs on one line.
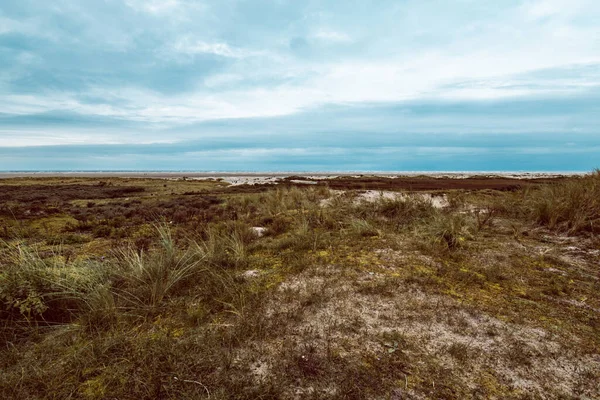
[[494, 296]]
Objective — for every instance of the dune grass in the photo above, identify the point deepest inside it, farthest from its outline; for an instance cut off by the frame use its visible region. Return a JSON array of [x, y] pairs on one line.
[[572, 206], [338, 297]]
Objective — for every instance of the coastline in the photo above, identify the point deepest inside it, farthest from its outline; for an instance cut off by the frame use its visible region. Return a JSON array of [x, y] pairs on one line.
[[284, 174]]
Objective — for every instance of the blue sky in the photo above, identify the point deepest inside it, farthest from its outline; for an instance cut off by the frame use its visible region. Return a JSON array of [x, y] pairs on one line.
[[300, 85]]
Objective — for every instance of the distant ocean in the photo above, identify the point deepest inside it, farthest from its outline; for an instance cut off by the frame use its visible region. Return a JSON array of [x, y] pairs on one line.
[[196, 173]]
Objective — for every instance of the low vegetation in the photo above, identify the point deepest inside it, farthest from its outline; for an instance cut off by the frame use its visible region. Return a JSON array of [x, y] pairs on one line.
[[146, 289], [572, 206]]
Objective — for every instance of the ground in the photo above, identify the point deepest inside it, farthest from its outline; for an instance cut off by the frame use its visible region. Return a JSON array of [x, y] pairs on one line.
[[300, 287]]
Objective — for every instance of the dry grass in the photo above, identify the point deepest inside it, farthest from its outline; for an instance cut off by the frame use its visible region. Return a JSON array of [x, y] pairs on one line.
[[572, 206], [494, 296]]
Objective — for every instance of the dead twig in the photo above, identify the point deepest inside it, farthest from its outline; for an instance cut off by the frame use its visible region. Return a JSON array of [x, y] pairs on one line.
[[196, 382]]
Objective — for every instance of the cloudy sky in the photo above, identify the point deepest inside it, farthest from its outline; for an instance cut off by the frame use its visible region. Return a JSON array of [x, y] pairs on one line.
[[300, 85]]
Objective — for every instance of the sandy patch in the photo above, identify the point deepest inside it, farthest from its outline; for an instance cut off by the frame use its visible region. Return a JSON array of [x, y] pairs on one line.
[[327, 311], [437, 201]]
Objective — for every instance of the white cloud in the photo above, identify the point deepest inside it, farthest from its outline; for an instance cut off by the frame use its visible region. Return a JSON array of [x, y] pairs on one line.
[[23, 138], [6, 25], [26, 26], [540, 9], [485, 61], [189, 46], [154, 6], [332, 36], [491, 58], [218, 80]]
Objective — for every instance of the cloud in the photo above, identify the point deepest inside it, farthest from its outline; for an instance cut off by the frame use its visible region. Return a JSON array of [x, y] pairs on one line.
[[7, 25], [154, 6], [190, 47], [542, 9], [137, 71], [332, 36]]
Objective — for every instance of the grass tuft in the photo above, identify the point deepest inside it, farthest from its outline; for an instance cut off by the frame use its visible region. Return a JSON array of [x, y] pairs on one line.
[[572, 206]]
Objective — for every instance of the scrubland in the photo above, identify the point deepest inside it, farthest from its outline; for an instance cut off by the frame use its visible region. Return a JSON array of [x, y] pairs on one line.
[[351, 288]]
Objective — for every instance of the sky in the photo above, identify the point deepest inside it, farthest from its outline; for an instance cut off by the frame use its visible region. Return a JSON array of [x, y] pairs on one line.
[[294, 85]]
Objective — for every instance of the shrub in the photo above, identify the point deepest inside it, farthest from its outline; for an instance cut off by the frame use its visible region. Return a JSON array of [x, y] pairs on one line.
[[278, 224], [102, 231], [47, 290], [486, 216]]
